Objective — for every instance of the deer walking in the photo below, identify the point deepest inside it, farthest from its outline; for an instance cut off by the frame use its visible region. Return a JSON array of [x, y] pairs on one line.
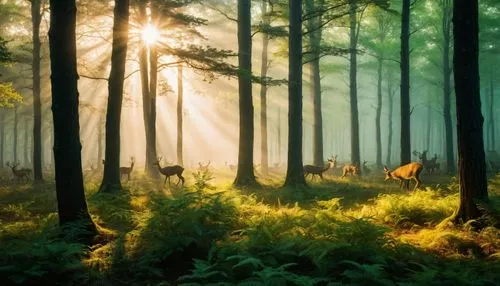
[[316, 170], [24, 173], [405, 173], [352, 169], [170, 171]]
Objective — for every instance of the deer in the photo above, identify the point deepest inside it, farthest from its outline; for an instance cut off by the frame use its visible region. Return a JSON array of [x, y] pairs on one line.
[[204, 168], [405, 173], [429, 165], [21, 173], [352, 169], [366, 170], [127, 170], [170, 171], [316, 170]]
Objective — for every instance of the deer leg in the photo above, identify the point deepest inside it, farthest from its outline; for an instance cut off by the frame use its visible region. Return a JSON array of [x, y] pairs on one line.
[[321, 176], [417, 183], [165, 181], [181, 178]]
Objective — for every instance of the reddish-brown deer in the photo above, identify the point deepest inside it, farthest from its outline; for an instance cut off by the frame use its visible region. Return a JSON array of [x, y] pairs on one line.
[[170, 171], [24, 173], [352, 169], [405, 173], [126, 171], [316, 170]]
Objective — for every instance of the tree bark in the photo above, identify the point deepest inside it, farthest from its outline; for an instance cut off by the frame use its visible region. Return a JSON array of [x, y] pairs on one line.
[[378, 132], [405, 84], [100, 148], [450, 158], [2, 138], [491, 113], [71, 202], [389, 123], [245, 174], [295, 172], [15, 135], [111, 179], [429, 122], [180, 100], [471, 157], [36, 18], [353, 89], [264, 160], [26, 142], [153, 82]]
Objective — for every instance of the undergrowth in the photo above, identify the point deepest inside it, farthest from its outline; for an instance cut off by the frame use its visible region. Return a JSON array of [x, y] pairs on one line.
[[335, 233]]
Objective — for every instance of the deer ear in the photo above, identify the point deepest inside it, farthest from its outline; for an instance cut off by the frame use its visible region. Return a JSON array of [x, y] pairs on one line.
[[385, 169]]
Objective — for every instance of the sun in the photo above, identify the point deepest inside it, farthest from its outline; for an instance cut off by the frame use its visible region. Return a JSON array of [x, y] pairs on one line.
[[150, 34]]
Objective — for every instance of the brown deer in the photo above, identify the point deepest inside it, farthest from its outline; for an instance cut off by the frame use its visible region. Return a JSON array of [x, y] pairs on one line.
[[352, 169], [316, 170], [125, 171], [405, 173], [170, 171], [24, 173]]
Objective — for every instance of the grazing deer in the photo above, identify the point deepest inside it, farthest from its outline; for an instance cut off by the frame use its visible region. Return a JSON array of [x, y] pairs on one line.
[[352, 169], [405, 173], [366, 170], [127, 170], [170, 171], [316, 170], [21, 173]]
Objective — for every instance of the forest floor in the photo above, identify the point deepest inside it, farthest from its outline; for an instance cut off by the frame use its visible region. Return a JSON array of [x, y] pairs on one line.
[[353, 231]]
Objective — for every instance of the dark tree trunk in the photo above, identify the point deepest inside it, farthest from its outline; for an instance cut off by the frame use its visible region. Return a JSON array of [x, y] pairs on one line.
[[245, 174], [100, 148], [37, 107], [180, 95], [26, 142], [71, 202], [314, 28], [389, 123], [378, 132], [111, 178], [491, 113], [450, 158], [429, 122], [279, 135], [143, 65], [15, 135], [2, 138], [405, 84], [295, 172], [264, 160], [471, 157], [353, 89], [153, 81]]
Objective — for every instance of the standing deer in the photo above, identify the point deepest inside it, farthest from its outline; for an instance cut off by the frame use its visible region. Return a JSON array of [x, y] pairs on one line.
[[405, 173], [352, 169], [316, 170], [170, 171], [127, 170], [21, 173], [204, 168]]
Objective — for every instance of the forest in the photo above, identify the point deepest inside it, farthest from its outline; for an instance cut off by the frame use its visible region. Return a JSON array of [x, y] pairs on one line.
[[249, 142]]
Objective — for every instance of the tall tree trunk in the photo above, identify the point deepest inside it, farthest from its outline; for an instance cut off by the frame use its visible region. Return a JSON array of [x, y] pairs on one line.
[[180, 99], [71, 203], [314, 28], [245, 174], [390, 118], [153, 82], [471, 157], [405, 84], [295, 171], [353, 89], [15, 135], [2, 138], [378, 132], [111, 178], [279, 135], [450, 158], [26, 142], [37, 107], [491, 113], [100, 148], [429, 122], [143, 65], [264, 160]]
